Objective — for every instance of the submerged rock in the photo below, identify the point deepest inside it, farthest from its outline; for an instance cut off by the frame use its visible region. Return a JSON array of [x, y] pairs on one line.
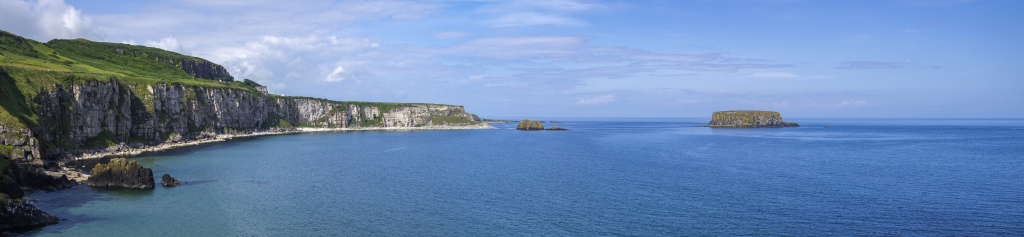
[[168, 181], [748, 119], [15, 214], [527, 124], [121, 173]]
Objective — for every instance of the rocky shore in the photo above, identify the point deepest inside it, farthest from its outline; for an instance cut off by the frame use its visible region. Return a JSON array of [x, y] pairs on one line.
[[17, 214]]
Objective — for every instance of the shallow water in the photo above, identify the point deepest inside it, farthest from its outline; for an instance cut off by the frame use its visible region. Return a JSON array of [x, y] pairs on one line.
[[648, 177]]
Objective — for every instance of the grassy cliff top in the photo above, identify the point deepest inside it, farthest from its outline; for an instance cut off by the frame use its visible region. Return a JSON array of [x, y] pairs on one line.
[[78, 60], [28, 67]]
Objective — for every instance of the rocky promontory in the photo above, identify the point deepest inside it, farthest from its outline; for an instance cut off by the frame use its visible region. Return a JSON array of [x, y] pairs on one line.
[[527, 124], [748, 119], [121, 173]]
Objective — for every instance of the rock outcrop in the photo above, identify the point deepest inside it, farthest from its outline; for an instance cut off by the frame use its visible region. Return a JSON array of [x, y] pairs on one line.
[[204, 69], [15, 214], [168, 181], [748, 119], [121, 173], [527, 124]]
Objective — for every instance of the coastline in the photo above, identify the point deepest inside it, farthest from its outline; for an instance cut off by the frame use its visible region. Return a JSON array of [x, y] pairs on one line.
[[126, 150]]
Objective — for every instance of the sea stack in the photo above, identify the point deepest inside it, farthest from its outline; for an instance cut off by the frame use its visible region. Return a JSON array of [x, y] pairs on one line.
[[121, 173], [527, 124], [168, 181], [748, 119]]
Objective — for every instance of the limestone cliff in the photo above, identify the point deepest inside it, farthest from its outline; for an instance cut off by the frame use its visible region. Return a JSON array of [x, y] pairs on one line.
[[101, 114], [748, 119]]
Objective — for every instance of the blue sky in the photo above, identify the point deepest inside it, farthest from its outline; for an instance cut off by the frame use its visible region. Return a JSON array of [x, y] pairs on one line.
[[575, 58]]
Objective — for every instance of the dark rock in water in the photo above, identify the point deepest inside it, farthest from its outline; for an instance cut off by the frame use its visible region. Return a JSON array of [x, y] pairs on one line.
[[748, 119], [527, 124], [556, 128], [168, 181], [19, 215], [121, 173]]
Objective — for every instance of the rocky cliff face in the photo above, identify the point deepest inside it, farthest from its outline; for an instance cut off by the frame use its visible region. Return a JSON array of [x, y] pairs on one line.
[[204, 69], [748, 119], [102, 114]]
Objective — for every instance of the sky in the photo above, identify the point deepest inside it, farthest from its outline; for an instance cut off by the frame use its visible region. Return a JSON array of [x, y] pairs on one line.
[[579, 58]]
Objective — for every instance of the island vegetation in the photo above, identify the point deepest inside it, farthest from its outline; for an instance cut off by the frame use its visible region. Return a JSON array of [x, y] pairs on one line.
[[748, 119], [527, 124]]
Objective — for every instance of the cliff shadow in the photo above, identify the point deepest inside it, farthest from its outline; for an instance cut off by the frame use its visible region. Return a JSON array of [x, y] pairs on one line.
[[13, 100]]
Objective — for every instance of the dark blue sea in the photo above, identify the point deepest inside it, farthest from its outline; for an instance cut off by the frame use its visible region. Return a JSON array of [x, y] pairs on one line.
[[603, 177]]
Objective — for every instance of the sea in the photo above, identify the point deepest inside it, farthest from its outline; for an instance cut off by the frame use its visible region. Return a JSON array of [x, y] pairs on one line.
[[602, 177]]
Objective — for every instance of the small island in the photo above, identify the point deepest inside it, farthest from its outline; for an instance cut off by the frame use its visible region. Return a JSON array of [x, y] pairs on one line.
[[121, 173], [529, 125], [748, 119]]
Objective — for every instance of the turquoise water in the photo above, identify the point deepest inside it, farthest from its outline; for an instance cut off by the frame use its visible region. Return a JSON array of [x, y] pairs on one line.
[[647, 177]]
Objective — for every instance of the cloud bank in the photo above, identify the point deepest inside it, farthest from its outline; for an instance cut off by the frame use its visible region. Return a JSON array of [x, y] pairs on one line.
[[44, 20]]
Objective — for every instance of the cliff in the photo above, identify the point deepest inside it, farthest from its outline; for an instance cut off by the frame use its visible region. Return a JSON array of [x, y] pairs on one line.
[[65, 98], [748, 119]]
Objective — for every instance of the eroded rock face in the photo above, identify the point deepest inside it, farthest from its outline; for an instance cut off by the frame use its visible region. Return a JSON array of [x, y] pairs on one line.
[[168, 181], [527, 124], [204, 69], [121, 173], [15, 214], [94, 114], [748, 119]]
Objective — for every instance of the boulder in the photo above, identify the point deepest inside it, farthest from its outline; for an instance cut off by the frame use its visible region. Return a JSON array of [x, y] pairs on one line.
[[15, 214], [527, 124], [121, 173], [168, 181]]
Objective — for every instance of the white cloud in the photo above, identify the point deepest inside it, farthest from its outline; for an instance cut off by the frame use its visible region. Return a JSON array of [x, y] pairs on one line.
[[46, 19], [597, 100], [336, 75], [773, 75], [282, 59], [169, 44]]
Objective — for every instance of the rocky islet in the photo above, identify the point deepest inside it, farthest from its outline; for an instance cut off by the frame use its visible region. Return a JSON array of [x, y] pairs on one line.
[[748, 119]]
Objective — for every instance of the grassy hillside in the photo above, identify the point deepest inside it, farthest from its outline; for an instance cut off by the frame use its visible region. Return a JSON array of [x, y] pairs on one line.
[[28, 67]]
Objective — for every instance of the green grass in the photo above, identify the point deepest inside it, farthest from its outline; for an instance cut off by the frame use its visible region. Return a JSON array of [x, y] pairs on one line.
[[102, 140], [276, 121]]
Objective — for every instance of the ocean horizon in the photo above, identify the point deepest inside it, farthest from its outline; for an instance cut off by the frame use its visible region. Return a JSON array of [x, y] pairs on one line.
[[604, 176]]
